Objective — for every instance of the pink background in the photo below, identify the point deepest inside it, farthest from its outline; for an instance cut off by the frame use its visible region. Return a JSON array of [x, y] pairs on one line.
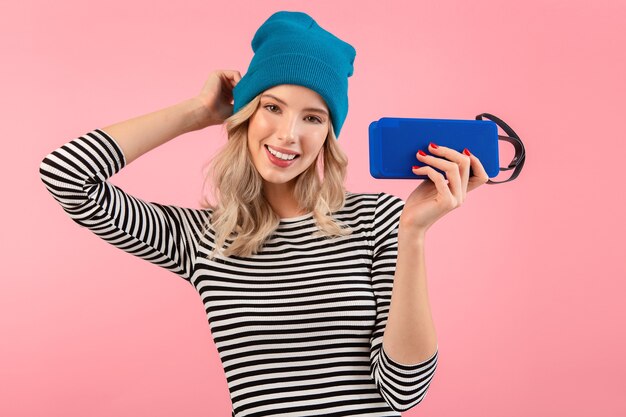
[[526, 279]]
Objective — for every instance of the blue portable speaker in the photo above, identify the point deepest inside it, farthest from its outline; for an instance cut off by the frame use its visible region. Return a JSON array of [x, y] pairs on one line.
[[394, 142]]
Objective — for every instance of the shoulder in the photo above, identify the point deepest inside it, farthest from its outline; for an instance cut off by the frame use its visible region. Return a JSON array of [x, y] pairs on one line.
[[380, 211], [376, 202]]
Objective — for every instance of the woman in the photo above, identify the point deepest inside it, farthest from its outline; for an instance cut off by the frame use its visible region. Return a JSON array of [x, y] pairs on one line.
[[296, 273]]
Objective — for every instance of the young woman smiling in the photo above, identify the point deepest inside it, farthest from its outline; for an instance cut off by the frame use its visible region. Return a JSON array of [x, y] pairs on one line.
[[316, 296]]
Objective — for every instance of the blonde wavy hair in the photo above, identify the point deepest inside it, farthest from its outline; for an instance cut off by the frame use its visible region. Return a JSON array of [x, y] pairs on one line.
[[242, 216]]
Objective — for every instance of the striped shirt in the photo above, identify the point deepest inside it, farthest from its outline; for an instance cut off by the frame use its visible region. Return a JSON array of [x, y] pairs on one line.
[[299, 325]]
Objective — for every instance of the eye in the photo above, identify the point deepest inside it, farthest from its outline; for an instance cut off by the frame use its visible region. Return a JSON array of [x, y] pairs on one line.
[[270, 106]]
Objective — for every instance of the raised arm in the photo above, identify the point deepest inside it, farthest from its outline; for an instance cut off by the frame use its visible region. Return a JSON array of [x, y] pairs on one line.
[[141, 134], [211, 106], [76, 176]]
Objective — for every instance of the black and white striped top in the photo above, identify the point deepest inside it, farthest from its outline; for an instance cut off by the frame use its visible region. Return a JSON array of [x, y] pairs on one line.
[[299, 325]]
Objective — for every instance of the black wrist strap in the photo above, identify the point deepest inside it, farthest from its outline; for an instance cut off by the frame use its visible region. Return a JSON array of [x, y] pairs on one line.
[[514, 139]]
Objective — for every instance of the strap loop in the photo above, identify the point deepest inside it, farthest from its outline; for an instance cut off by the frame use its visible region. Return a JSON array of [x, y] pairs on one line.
[[514, 139]]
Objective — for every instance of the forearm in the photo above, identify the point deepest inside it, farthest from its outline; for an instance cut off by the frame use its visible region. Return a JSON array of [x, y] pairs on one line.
[[141, 134], [410, 335]]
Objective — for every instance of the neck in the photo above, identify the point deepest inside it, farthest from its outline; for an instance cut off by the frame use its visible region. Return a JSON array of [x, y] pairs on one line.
[[282, 199]]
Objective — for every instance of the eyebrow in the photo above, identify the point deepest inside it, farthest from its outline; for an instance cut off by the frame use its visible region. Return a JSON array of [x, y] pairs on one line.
[[307, 109]]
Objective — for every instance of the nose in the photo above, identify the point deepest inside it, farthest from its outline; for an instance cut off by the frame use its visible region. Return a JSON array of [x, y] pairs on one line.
[[289, 128]]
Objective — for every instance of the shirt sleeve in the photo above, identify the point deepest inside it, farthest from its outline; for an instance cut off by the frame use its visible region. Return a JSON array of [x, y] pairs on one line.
[[76, 175], [401, 385]]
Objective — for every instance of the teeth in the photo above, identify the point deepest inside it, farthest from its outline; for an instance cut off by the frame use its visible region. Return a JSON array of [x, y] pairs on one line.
[[279, 155]]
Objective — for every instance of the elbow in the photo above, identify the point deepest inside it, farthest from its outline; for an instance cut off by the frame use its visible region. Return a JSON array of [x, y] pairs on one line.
[[405, 403], [401, 408], [44, 170], [403, 386]]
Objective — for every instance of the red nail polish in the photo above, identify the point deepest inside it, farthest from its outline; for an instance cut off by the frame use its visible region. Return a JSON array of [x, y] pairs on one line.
[[433, 145], [466, 152], [416, 167], [421, 152]]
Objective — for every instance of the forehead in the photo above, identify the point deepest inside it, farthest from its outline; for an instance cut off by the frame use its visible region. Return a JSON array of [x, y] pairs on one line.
[[292, 93]]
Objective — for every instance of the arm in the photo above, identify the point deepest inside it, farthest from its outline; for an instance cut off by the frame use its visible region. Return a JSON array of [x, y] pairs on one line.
[[410, 335], [76, 176], [143, 133], [402, 383], [212, 106]]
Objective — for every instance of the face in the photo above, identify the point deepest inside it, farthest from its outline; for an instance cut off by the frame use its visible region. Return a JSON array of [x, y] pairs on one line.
[[290, 120]]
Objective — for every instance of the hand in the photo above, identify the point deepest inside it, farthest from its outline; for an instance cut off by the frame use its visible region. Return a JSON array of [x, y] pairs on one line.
[[217, 97], [435, 197]]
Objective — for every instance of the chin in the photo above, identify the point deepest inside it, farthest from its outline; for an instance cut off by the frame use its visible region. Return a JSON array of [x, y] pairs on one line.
[[278, 179]]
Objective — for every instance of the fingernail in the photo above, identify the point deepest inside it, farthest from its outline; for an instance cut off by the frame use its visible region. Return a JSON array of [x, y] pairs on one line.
[[416, 167], [433, 145], [421, 152], [466, 152]]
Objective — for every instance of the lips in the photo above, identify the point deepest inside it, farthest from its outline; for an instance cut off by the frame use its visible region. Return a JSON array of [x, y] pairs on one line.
[[277, 161], [283, 151]]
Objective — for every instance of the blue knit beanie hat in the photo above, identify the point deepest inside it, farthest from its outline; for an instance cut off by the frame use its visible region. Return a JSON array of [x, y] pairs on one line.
[[291, 48]]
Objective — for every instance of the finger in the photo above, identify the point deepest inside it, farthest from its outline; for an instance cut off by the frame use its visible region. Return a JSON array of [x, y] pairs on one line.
[[462, 162], [439, 181], [450, 166], [480, 176], [234, 75]]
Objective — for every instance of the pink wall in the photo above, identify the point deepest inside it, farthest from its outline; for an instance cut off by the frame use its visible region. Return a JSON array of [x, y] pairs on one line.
[[526, 279]]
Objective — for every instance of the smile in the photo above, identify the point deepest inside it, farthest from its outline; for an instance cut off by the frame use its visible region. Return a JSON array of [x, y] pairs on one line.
[[280, 155]]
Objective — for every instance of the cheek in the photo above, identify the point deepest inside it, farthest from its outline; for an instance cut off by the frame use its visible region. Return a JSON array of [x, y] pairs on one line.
[[318, 147], [256, 131], [312, 154], [259, 124]]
